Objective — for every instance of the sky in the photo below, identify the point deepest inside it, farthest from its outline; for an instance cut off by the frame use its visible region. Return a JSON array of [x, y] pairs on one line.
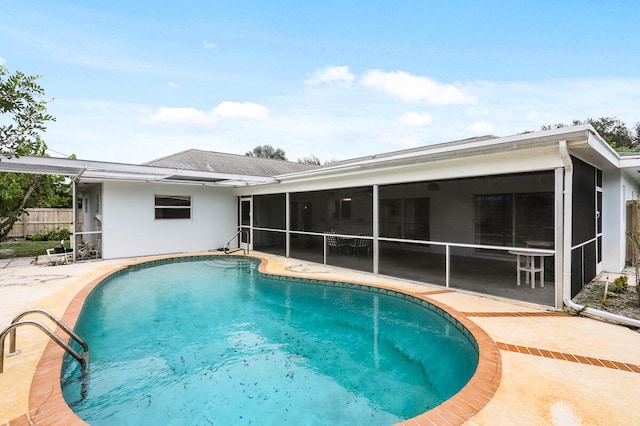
[[132, 81]]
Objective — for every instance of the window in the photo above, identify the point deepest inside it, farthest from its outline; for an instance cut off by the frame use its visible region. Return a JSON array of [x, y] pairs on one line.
[[405, 210], [520, 220], [494, 219], [342, 209], [269, 211], [173, 207], [349, 210]]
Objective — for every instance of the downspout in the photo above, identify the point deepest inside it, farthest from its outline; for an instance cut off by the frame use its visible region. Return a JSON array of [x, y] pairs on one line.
[[566, 249]]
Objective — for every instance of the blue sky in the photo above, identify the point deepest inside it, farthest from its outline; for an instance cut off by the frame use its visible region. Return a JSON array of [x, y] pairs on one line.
[[131, 81]]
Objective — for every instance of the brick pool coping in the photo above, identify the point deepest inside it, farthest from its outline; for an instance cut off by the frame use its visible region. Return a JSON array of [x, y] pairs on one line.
[[48, 407]]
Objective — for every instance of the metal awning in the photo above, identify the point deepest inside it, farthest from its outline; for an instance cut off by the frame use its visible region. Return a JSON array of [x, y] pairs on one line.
[[97, 171]]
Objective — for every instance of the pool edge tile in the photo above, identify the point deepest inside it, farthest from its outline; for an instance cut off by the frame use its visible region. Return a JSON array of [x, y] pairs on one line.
[[454, 411]]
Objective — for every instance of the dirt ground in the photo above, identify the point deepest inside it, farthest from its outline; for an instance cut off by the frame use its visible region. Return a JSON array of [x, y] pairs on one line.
[[626, 303]]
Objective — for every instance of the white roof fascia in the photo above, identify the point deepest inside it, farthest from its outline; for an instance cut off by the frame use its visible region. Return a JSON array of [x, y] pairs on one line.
[[602, 148], [629, 161], [600, 145], [630, 165], [452, 149], [96, 170], [582, 140]]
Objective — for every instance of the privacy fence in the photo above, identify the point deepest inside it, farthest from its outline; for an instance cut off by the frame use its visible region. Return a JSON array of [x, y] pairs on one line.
[[38, 221]]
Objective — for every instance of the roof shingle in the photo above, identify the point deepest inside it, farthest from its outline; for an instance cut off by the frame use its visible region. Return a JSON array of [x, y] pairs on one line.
[[195, 159]]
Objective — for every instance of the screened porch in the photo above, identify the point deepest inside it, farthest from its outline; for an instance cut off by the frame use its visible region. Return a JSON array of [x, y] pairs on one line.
[[476, 234]]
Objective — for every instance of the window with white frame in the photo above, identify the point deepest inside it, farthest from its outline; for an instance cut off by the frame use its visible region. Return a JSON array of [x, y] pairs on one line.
[[173, 207]]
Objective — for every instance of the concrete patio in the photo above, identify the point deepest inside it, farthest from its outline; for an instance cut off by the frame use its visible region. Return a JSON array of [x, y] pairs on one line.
[[556, 369]]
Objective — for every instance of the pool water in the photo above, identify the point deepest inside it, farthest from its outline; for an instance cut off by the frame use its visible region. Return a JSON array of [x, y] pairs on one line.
[[210, 341]]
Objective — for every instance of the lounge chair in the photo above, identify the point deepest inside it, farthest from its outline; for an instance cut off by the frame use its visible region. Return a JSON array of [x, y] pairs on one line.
[[59, 254]]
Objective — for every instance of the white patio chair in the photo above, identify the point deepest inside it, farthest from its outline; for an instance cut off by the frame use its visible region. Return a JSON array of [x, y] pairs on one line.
[[59, 254]]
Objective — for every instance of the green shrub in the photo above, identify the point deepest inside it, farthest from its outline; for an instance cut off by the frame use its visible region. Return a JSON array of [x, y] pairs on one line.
[[56, 234], [621, 284], [36, 237]]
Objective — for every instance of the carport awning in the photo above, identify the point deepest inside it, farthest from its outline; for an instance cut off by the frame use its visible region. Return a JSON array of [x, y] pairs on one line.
[[96, 171]]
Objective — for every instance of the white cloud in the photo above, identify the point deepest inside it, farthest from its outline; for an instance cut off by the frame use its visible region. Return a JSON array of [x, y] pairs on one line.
[[209, 45], [226, 109], [415, 118], [250, 110], [481, 127], [182, 116], [412, 88], [336, 124], [2, 60], [173, 85], [531, 115], [340, 74]]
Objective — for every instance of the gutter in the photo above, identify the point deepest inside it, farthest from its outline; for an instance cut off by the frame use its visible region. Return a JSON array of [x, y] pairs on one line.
[[443, 151], [566, 249]]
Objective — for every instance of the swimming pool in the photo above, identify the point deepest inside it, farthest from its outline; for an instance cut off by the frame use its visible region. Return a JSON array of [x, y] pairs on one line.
[[213, 340]]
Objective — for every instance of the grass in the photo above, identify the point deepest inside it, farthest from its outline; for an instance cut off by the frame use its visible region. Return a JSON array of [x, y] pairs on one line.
[[24, 248]]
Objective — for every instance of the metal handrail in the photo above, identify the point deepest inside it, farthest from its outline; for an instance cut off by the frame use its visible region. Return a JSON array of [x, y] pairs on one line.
[[56, 320], [82, 359], [226, 245]]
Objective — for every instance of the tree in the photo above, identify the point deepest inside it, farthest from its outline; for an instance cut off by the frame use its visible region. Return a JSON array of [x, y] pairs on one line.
[[311, 159], [21, 98], [614, 131], [23, 115], [267, 151]]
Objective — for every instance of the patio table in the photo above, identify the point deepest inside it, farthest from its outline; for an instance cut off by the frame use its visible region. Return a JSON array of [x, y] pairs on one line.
[[531, 264]]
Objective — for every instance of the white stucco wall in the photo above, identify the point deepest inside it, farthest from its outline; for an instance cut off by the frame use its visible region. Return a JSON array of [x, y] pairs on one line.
[[91, 209], [612, 221], [130, 228], [617, 190]]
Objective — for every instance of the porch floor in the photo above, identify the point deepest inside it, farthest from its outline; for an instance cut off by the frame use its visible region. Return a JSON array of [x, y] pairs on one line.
[[495, 276]]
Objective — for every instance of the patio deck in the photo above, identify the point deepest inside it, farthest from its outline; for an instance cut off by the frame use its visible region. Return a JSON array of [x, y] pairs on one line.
[[556, 368]]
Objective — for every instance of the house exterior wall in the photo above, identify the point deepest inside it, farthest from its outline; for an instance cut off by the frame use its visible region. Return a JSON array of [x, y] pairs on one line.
[[613, 220], [449, 202], [130, 228], [454, 198], [445, 217], [618, 188], [497, 163], [92, 220]]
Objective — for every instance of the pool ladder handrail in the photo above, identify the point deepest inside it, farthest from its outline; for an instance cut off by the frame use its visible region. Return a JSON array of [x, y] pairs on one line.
[[226, 245], [83, 358]]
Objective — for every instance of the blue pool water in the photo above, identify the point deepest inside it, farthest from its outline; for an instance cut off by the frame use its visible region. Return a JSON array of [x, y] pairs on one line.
[[210, 341]]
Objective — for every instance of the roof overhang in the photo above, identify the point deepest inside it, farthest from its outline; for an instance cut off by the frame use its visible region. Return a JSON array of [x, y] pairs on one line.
[[630, 164], [583, 141], [96, 171]]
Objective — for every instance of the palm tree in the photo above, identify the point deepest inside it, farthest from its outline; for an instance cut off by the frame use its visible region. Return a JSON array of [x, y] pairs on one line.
[[267, 151]]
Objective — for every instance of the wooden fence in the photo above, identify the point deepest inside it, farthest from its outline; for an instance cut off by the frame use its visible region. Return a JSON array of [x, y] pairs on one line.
[[38, 221], [633, 230]]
